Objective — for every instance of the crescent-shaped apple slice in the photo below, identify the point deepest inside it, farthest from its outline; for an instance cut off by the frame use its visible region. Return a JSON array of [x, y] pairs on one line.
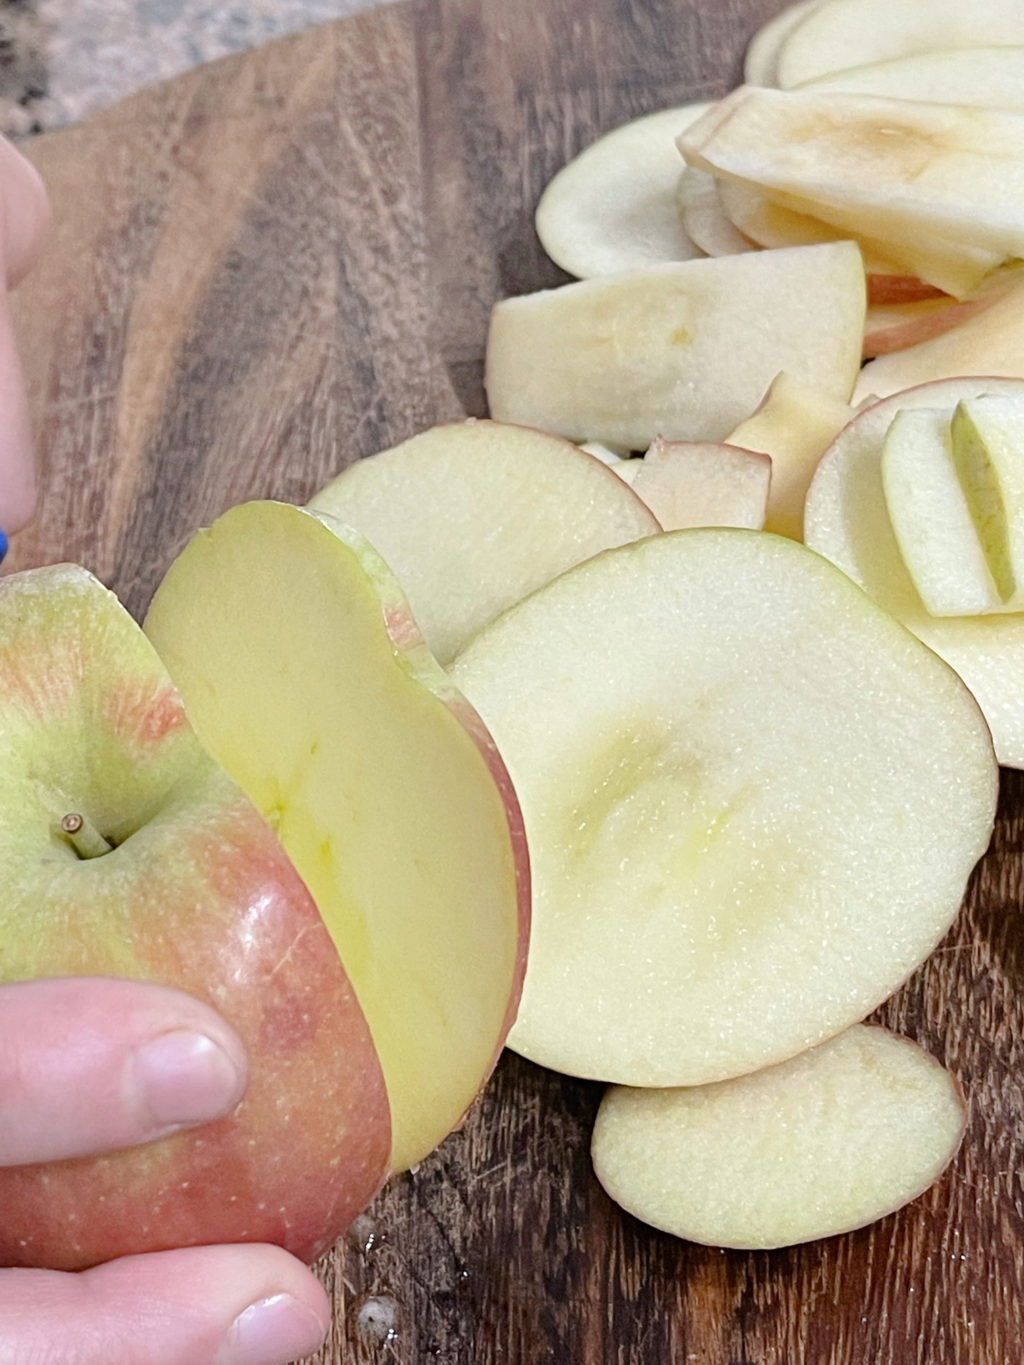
[[305, 675]]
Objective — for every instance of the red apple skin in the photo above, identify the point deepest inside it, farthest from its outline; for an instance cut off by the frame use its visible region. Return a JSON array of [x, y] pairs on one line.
[[901, 289], [200, 896]]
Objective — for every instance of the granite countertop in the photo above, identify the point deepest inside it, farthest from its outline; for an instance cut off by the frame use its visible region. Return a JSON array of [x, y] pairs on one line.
[[61, 59]]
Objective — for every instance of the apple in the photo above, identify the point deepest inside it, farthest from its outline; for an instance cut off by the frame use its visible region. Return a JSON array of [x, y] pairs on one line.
[[794, 424], [168, 874], [613, 207], [305, 676], [760, 62], [990, 341], [992, 77], [895, 326], [931, 518], [752, 799], [516, 505], [826, 1142], [683, 351], [842, 33], [846, 520], [703, 483], [987, 440], [703, 216]]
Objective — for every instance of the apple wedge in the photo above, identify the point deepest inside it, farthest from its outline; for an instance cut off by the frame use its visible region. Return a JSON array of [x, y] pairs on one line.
[[703, 217], [794, 425], [761, 60], [128, 852], [843, 33], [819, 1145], [703, 483], [847, 521], [714, 736], [895, 326], [304, 674], [992, 77], [682, 351], [987, 443], [931, 517], [516, 505], [613, 207]]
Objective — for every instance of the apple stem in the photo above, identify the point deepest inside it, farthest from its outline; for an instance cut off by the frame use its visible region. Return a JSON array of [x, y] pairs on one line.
[[84, 837]]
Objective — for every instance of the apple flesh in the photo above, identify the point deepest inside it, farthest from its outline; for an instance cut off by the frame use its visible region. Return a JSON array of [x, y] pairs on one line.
[[819, 1145], [703, 483], [714, 736], [306, 677], [704, 218], [683, 351], [613, 207], [516, 505], [990, 77], [761, 59], [987, 441], [846, 520], [187, 887]]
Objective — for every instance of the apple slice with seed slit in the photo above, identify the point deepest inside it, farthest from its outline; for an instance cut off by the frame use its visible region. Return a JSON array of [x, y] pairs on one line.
[[752, 800], [304, 674], [824, 1143]]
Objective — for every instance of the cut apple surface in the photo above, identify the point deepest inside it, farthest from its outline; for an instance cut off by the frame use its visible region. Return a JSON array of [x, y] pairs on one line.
[[992, 77], [794, 424], [843, 33], [761, 60], [472, 516], [752, 801], [704, 483], [682, 351], [168, 874], [826, 1142], [613, 207], [305, 675], [847, 521], [987, 443], [704, 218]]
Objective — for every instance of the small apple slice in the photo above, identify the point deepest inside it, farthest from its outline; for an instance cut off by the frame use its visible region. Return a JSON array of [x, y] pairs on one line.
[[761, 60], [305, 675], [613, 207], [819, 1145], [516, 505], [704, 218], [846, 520], [843, 33], [704, 483], [987, 441], [895, 326], [683, 351], [752, 801], [992, 77], [172, 877], [931, 518], [988, 341], [794, 424]]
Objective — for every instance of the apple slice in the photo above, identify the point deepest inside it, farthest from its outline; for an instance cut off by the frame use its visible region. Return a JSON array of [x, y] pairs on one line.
[[992, 77], [846, 520], [794, 424], [168, 874], [517, 506], [613, 207], [715, 738], [931, 518], [843, 33], [761, 60], [895, 326], [682, 351], [704, 483], [987, 440], [304, 674], [704, 218], [824, 1143], [988, 341]]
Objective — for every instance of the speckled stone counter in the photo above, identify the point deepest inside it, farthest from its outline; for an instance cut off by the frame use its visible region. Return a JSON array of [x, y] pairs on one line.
[[60, 59]]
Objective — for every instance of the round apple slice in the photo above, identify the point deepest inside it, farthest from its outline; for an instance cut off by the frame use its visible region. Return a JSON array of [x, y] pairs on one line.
[[516, 505], [824, 1143], [752, 801], [304, 674], [761, 60], [613, 207]]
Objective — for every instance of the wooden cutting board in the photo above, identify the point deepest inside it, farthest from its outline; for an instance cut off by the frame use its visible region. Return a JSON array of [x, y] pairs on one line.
[[285, 261]]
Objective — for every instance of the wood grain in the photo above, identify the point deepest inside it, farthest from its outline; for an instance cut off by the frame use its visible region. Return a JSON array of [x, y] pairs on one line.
[[281, 263]]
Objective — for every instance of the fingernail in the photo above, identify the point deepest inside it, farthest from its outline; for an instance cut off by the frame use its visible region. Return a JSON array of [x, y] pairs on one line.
[[183, 1078], [273, 1332]]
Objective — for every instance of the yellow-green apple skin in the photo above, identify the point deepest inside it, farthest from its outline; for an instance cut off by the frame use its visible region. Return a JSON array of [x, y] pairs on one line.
[[195, 892], [306, 676]]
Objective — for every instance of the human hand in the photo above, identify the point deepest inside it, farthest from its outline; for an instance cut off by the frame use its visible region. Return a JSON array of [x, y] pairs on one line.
[[24, 217], [89, 1065]]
